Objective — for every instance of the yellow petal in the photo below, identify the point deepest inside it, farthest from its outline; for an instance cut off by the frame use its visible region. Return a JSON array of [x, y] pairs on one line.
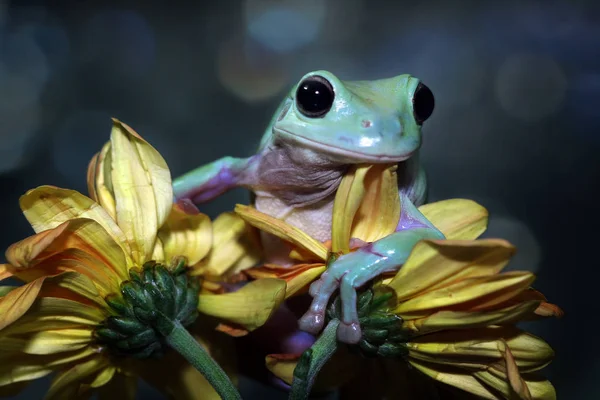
[[188, 235], [233, 246], [251, 306], [83, 234], [27, 367], [443, 320], [103, 377], [539, 389], [347, 201], [379, 211], [456, 378], [282, 230], [481, 346], [67, 382], [99, 180], [457, 218], [142, 188], [488, 291], [18, 301], [47, 207], [433, 264], [48, 341], [49, 313]]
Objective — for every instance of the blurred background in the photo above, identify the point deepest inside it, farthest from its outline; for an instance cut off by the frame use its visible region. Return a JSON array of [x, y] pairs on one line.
[[517, 88]]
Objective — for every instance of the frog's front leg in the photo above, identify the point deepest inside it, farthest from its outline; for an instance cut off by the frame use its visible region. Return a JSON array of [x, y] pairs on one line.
[[351, 271], [211, 180]]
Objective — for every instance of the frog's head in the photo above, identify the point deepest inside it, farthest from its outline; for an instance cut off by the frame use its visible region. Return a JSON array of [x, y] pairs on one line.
[[362, 121]]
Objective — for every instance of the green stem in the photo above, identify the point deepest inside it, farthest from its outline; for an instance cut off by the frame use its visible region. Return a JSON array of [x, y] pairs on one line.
[[185, 344], [313, 360]]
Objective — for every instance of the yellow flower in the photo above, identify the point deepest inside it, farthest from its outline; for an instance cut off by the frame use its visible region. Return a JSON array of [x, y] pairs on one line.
[[83, 251], [453, 311]]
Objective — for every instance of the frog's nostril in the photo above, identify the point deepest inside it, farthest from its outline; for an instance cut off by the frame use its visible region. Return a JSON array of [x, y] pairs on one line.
[[366, 123]]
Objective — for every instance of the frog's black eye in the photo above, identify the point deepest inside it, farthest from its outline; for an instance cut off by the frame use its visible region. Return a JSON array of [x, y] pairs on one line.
[[314, 96], [423, 103]]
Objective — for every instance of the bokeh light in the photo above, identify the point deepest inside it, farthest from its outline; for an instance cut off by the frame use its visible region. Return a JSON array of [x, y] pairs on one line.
[[284, 26], [528, 255], [250, 72], [530, 86]]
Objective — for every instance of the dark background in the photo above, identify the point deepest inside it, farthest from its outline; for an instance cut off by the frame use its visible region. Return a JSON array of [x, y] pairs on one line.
[[515, 128]]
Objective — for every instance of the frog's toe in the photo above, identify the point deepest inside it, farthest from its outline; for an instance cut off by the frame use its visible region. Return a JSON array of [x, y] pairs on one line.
[[315, 287], [349, 333], [312, 322]]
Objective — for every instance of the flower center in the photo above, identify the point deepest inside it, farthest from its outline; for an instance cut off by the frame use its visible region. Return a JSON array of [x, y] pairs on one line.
[[155, 297], [382, 334]]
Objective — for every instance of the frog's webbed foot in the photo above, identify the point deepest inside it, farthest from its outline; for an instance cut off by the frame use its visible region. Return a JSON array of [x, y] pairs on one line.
[[347, 276]]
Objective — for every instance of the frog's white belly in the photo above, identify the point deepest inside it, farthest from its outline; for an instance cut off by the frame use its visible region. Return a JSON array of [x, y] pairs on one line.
[[314, 220]]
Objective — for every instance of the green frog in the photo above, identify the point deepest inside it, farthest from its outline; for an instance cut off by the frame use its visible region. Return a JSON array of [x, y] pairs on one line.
[[322, 127]]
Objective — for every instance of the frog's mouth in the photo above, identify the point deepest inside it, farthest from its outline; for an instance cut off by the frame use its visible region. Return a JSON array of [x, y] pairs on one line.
[[344, 154]]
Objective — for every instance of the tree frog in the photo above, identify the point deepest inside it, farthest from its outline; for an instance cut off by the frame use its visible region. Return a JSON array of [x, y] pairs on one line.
[[323, 126]]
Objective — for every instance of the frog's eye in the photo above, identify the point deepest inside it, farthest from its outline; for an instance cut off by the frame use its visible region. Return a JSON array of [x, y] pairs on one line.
[[314, 96], [423, 103]]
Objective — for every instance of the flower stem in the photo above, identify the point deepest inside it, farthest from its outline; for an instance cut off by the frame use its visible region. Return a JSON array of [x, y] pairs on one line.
[[312, 360], [181, 341]]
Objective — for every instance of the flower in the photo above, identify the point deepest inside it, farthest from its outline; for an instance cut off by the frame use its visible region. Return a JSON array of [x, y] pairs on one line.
[[366, 208], [452, 312], [87, 256]]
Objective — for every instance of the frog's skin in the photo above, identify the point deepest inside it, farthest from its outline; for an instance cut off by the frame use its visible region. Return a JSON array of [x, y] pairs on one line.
[[322, 127]]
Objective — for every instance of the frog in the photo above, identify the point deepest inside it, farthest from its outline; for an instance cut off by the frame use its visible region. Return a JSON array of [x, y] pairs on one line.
[[322, 127]]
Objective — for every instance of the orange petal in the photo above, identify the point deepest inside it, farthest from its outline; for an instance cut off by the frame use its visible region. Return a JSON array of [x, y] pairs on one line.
[[469, 294], [99, 180], [47, 207], [83, 234], [282, 230], [346, 204], [436, 263], [142, 189], [74, 286], [184, 234], [16, 302], [512, 370], [103, 277], [6, 271], [379, 210], [22, 253], [299, 283], [457, 218]]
